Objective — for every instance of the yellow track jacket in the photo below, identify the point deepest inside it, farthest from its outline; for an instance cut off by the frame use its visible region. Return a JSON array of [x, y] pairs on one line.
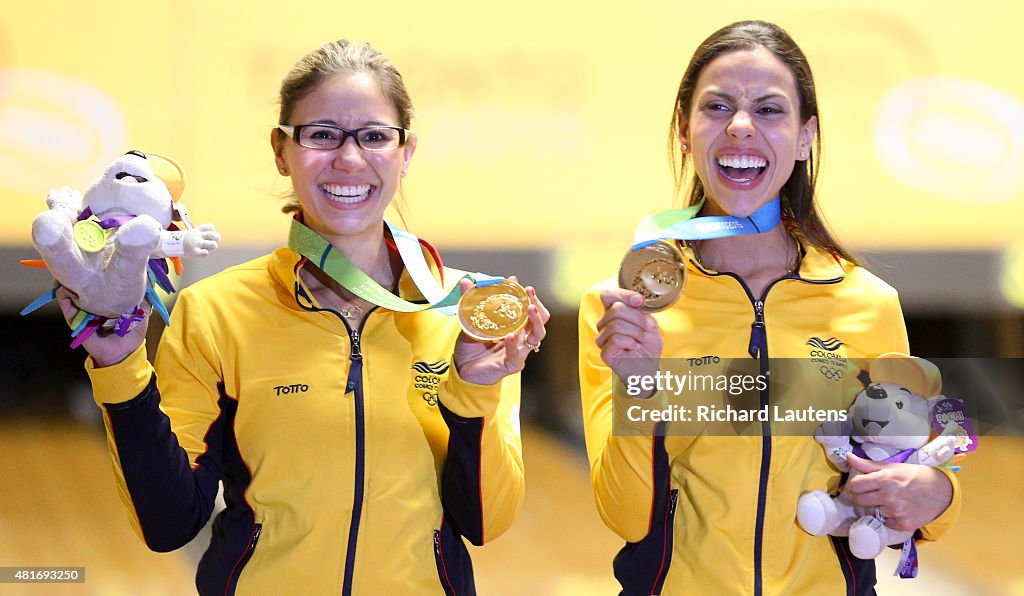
[[353, 460], [717, 514]]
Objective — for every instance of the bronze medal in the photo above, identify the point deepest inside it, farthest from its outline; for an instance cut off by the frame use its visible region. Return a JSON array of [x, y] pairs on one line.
[[656, 272], [489, 313]]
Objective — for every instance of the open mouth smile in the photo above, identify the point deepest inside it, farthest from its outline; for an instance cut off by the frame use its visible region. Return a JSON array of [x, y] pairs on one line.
[[337, 193], [741, 168]]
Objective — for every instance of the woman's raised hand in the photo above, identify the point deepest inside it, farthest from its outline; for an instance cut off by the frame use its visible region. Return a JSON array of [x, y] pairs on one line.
[[106, 349], [486, 363]]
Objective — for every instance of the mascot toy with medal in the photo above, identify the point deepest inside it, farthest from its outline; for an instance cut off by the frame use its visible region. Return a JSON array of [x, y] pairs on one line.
[[111, 246]]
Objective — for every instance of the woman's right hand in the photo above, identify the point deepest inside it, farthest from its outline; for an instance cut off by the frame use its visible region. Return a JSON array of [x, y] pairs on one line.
[[629, 338], [107, 349]]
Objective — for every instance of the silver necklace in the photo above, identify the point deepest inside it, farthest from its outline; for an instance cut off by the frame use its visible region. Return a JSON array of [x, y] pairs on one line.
[[353, 312]]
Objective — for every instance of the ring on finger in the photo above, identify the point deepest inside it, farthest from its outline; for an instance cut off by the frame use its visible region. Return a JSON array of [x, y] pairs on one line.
[[529, 344], [877, 514]]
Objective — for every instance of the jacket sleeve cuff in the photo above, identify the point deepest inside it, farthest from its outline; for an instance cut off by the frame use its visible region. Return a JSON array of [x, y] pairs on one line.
[[120, 382], [945, 521], [467, 399]]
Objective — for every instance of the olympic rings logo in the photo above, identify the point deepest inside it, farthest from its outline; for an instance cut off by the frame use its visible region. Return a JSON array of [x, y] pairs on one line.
[[833, 374]]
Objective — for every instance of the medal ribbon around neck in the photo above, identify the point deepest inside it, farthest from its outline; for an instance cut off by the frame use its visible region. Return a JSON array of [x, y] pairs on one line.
[[654, 267], [680, 224], [321, 253], [489, 310]]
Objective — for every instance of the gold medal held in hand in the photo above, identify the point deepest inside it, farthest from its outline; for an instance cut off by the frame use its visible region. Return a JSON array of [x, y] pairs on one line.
[[656, 272], [489, 313]]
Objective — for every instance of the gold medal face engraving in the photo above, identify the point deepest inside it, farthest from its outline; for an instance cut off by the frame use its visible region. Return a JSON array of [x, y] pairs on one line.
[[489, 313], [89, 236], [656, 272]]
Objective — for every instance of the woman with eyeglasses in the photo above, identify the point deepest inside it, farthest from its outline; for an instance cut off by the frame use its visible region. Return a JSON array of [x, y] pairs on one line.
[[357, 445], [702, 512]]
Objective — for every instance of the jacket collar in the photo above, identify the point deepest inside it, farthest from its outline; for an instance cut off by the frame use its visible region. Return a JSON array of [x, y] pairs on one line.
[[816, 263], [285, 264]]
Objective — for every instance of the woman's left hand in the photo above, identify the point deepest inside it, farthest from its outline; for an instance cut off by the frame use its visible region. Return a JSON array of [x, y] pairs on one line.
[[908, 496], [486, 363]]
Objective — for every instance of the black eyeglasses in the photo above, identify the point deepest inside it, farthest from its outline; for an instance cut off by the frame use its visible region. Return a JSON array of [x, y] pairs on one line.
[[369, 138]]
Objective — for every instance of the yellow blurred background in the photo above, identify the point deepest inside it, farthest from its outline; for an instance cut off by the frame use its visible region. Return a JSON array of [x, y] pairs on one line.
[[541, 124], [542, 134]]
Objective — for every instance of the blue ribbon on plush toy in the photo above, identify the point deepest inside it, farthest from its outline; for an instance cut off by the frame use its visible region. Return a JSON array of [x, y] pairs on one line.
[[85, 324]]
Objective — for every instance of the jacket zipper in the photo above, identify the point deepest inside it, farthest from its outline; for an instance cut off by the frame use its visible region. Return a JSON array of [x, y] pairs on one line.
[[758, 348], [757, 332], [666, 555], [242, 560], [354, 385], [448, 587]]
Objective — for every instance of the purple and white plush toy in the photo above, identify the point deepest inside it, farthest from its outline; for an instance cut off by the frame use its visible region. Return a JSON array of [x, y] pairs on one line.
[[889, 421], [109, 245]]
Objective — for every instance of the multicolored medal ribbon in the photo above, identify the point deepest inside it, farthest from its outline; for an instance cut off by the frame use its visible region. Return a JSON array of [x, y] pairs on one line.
[[493, 308], [90, 234], [907, 566], [654, 267]]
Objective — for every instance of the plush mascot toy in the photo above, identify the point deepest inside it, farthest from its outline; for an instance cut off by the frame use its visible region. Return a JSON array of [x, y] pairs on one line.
[[109, 246], [890, 421]]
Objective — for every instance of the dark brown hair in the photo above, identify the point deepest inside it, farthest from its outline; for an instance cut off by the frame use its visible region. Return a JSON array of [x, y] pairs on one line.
[[798, 192]]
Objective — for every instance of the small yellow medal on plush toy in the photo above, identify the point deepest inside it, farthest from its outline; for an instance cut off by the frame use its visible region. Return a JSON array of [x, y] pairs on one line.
[[89, 236], [111, 246]]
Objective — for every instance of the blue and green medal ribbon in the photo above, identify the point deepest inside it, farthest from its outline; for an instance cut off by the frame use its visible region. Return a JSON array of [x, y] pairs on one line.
[[681, 224], [654, 268]]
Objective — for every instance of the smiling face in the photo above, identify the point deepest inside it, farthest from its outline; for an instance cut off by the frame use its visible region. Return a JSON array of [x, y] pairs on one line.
[[743, 130], [129, 187], [343, 192], [888, 414]]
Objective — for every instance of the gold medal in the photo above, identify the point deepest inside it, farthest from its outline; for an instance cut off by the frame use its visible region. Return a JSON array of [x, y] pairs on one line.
[[656, 272], [489, 313], [89, 236]]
